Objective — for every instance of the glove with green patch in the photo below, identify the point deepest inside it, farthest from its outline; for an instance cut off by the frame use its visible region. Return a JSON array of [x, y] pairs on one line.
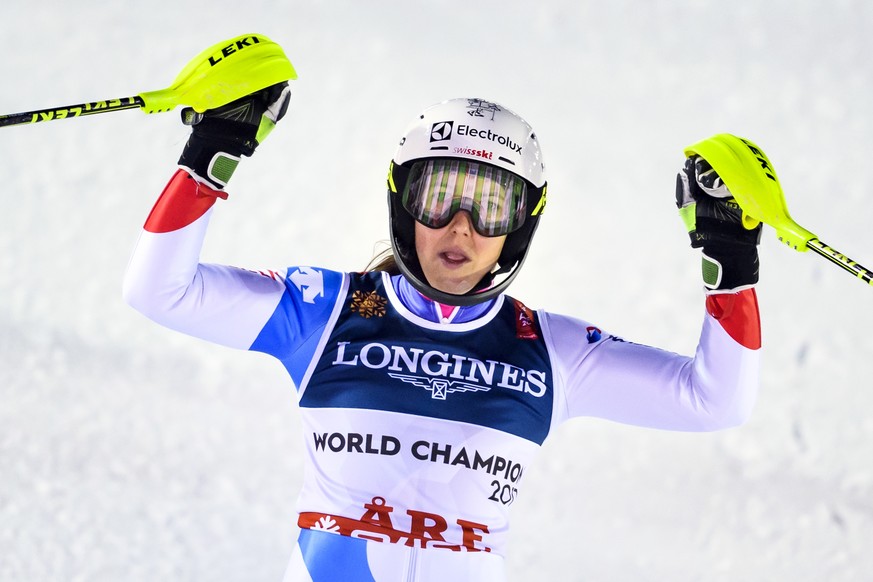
[[221, 136], [714, 222]]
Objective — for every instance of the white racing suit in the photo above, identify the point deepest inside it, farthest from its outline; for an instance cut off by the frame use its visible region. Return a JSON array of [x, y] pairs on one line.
[[419, 422]]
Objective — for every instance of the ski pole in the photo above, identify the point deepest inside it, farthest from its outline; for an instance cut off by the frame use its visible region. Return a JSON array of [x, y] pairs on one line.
[[218, 75], [751, 179], [840, 260], [71, 111]]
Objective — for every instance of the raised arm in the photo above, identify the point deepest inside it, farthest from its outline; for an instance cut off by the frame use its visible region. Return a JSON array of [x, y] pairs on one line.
[[165, 279], [604, 376]]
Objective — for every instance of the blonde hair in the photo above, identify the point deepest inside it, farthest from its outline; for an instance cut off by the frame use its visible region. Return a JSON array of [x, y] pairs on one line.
[[384, 261]]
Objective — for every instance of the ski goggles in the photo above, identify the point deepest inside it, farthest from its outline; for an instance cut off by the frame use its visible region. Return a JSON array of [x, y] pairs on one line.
[[437, 189]]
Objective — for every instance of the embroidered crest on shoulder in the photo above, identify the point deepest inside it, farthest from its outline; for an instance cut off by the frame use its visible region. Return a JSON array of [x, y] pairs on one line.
[[368, 304]]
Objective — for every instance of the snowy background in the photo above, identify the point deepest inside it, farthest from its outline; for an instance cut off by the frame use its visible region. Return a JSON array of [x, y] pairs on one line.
[[129, 452]]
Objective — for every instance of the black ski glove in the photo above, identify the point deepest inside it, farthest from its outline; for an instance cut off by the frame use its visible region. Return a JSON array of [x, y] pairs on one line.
[[219, 137], [714, 222]]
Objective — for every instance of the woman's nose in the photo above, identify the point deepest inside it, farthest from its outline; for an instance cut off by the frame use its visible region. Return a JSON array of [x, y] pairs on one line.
[[462, 222]]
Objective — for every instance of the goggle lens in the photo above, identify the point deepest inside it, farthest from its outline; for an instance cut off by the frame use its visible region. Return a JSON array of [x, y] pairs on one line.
[[437, 189]]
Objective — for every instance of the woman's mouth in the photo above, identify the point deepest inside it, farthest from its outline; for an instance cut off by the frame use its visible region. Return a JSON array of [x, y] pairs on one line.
[[453, 258]]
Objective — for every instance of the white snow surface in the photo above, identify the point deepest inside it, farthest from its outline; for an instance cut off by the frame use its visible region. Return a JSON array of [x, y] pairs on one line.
[[129, 452]]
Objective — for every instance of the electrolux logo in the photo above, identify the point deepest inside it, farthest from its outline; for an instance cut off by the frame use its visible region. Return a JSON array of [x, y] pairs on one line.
[[489, 135], [441, 131]]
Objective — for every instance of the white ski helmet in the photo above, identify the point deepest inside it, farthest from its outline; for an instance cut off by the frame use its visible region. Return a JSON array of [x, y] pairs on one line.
[[495, 139]]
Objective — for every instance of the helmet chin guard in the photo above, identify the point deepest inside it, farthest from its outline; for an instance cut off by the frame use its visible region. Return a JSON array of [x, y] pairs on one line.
[[479, 131]]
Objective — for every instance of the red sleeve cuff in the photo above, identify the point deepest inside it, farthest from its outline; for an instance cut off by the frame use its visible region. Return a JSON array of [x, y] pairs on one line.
[[738, 315], [183, 201]]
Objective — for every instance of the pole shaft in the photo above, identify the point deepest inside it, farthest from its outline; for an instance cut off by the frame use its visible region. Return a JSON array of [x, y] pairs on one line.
[[67, 111], [841, 260]]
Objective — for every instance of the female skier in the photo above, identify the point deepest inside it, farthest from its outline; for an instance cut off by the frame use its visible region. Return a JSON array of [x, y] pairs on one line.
[[424, 390]]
